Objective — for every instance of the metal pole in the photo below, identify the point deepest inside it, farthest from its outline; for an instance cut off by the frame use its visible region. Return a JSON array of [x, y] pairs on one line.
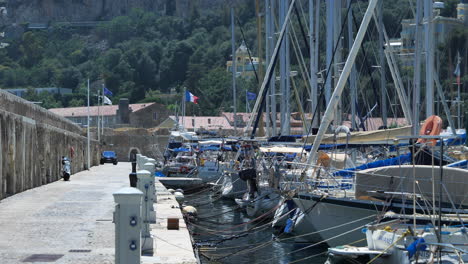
[[283, 70], [330, 21], [102, 114], [429, 43], [417, 70], [267, 60], [234, 69], [352, 77], [98, 118], [87, 134], [383, 88], [313, 59], [338, 56], [315, 123], [272, 83]]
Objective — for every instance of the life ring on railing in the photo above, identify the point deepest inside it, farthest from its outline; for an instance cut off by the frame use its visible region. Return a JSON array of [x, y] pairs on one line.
[[183, 169], [323, 159], [431, 127]]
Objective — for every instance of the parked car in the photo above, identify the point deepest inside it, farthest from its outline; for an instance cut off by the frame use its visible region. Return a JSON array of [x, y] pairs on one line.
[[109, 157]]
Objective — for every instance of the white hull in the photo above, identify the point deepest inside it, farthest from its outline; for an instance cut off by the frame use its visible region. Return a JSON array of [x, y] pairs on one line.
[[334, 220]]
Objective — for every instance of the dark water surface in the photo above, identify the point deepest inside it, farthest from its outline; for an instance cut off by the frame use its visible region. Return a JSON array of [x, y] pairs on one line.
[[220, 234]]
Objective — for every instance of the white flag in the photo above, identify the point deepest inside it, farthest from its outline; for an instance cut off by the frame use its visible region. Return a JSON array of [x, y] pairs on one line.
[[107, 101]]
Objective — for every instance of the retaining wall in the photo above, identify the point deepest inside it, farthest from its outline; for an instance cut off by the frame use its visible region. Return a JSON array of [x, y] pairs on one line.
[[32, 142]]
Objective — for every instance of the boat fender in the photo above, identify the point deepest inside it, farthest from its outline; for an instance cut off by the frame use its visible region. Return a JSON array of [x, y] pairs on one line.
[[180, 190], [179, 196], [418, 245], [189, 210], [289, 226], [342, 129], [171, 191]]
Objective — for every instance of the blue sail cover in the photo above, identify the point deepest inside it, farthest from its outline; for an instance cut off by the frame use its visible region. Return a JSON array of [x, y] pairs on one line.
[[405, 158]]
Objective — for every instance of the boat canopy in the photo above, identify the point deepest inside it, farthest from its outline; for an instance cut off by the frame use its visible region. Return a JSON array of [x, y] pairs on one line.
[[279, 149]]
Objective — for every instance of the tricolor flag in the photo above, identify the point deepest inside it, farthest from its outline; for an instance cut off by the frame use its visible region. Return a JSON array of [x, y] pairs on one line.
[[457, 69], [189, 97]]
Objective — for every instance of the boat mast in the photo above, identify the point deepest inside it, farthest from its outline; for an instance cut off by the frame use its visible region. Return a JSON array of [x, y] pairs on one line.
[[234, 70], [417, 70], [314, 56], [338, 59], [328, 116], [330, 4], [267, 61], [352, 77], [429, 47], [383, 82], [284, 73]]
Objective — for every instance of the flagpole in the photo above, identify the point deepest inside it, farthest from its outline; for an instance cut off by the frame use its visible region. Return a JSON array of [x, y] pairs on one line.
[[458, 91], [102, 117], [98, 119], [88, 154], [183, 107]]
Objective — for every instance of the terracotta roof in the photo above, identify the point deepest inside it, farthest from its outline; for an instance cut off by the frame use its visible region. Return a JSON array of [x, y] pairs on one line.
[[107, 110]]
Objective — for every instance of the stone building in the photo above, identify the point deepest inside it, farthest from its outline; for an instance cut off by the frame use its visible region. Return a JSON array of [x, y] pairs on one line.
[[143, 115]]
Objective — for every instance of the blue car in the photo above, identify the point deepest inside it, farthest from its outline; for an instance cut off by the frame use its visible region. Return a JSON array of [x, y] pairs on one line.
[[108, 157]]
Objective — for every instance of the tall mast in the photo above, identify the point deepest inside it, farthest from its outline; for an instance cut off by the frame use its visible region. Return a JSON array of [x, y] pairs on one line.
[[417, 70], [272, 91], [330, 21], [338, 55], [267, 61], [383, 88], [234, 69], [284, 72], [352, 77], [429, 47], [314, 55]]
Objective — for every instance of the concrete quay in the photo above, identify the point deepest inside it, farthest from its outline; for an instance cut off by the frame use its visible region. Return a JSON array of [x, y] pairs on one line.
[[72, 222], [171, 246]]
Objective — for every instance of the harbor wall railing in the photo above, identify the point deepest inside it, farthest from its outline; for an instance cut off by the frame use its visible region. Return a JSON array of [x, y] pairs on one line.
[[32, 143]]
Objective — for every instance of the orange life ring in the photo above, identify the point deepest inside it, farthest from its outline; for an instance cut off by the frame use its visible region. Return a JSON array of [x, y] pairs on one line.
[[183, 169], [431, 127], [323, 159]]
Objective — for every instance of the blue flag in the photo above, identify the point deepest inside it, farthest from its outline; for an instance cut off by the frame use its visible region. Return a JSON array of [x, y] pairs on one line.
[[251, 96], [107, 92]]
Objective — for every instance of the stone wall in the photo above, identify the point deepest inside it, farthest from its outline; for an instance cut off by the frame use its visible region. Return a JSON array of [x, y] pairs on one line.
[[31, 148], [144, 141], [17, 105]]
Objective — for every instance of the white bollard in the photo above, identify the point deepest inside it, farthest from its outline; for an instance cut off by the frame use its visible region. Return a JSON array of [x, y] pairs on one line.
[[138, 160], [128, 222], [145, 181]]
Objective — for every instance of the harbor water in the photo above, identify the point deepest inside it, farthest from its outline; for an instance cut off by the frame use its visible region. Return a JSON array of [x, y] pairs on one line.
[[223, 233]]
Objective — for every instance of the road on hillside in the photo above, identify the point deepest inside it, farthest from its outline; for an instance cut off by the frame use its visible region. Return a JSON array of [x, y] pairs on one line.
[[67, 221]]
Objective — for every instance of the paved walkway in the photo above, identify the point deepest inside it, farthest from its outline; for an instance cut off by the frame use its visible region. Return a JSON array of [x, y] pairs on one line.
[[60, 217]]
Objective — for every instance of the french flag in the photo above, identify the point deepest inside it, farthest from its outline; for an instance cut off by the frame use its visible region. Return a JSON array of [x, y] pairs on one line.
[[189, 97]]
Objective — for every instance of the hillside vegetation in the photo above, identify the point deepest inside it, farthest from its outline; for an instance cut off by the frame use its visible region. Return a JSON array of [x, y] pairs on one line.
[[144, 56]]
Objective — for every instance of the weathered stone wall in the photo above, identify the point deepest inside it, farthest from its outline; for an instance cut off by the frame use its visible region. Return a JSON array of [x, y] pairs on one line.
[[144, 141], [17, 105], [150, 116], [31, 148]]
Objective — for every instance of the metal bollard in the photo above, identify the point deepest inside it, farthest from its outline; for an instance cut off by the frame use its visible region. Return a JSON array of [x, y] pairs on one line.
[[133, 175], [138, 157], [149, 216], [128, 221], [149, 166]]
